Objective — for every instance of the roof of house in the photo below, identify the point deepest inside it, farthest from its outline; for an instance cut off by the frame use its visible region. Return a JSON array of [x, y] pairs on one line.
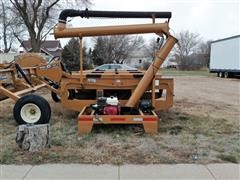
[[52, 47]]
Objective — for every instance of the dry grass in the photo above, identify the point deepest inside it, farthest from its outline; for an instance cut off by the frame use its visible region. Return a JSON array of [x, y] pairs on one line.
[[182, 138], [193, 131]]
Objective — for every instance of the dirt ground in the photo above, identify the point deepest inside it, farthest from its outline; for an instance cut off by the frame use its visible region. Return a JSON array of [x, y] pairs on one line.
[[208, 96], [202, 127]]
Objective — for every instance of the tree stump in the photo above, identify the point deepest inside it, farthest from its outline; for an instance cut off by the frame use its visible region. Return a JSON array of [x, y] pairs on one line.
[[33, 137]]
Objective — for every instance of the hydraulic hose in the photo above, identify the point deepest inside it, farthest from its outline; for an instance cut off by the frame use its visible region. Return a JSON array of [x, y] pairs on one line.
[[111, 14]]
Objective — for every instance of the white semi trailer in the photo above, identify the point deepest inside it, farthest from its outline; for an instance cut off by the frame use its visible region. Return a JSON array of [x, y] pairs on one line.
[[225, 57]]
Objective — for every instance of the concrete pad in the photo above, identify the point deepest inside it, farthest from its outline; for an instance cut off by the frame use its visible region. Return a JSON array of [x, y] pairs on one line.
[[179, 171], [225, 171], [13, 171], [73, 171]]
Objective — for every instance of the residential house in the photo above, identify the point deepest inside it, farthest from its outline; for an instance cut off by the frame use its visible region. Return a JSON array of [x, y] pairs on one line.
[[49, 47]]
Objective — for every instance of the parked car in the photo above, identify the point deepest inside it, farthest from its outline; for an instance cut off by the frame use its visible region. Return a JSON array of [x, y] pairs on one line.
[[105, 67]]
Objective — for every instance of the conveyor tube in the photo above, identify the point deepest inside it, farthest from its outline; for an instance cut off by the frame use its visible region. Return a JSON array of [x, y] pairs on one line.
[[151, 72]]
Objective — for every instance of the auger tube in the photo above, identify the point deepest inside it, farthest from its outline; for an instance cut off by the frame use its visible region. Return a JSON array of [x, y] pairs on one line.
[[151, 72]]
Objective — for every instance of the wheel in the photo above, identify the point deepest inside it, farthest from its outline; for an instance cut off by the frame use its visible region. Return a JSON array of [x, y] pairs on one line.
[[218, 74], [221, 74], [55, 97], [32, 109], [227, 75]]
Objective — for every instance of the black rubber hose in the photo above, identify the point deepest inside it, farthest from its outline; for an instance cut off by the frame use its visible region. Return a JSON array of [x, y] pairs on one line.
[[111, 14], [68, 13], [20, 70]]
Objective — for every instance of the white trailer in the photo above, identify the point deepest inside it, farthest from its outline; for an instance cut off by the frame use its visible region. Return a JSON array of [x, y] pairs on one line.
[[225, 57]]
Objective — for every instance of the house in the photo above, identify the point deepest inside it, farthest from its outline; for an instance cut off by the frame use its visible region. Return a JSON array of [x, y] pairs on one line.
[[49, 47]]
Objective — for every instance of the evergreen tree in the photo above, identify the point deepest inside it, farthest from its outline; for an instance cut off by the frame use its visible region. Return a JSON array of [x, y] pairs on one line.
[[71, 56]]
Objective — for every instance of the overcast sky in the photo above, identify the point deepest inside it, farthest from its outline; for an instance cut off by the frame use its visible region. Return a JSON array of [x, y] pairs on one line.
[[211, 19]]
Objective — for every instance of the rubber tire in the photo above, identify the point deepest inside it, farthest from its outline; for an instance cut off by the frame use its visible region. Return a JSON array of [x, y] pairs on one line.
[[38, 101], [221, 74], [227, 74], [71, 95], [55, 97]]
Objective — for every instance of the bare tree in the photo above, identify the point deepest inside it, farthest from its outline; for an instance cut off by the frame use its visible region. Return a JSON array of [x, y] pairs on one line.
[[115, 49], [204, 51], [10, 26], [187, 44], [37, 16], [151, 48]]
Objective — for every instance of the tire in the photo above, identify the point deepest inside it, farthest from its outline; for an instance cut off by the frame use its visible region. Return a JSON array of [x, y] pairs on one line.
[[32, 109], [218, 74], [221, 74], [55, 97], [227, 74]]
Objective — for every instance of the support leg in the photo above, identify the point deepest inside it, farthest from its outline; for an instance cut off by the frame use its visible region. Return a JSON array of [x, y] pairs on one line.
[[151, 127], [84, 127]]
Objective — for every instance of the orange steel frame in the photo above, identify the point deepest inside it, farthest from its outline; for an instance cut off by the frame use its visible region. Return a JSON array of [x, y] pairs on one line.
[[12, 84], [103, 81], [138, 83]]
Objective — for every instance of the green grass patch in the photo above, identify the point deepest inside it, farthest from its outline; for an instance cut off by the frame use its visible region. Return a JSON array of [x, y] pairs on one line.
[[84, 139], [57, 141], [228, 158], [175, 72], [175, 130], [53, 156], [7, 157], [37, 159]]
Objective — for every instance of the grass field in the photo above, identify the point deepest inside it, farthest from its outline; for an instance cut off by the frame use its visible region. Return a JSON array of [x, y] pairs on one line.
[[175, 72], [181, 138]]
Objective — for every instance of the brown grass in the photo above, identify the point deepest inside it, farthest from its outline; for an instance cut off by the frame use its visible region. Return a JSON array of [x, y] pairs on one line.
[[182, 138]]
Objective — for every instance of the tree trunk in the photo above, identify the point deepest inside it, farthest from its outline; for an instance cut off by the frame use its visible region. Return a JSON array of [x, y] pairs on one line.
[[36, 44], [33, 137]]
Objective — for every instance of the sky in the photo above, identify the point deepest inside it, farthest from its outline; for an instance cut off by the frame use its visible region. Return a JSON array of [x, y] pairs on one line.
[[211, 19]]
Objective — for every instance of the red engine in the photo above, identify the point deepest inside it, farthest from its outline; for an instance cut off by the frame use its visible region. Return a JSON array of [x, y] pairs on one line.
[[111, 110], [107, 106]]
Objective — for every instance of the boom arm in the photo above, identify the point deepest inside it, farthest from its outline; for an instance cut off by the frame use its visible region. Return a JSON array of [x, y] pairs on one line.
[[61, 31], [158, 28]]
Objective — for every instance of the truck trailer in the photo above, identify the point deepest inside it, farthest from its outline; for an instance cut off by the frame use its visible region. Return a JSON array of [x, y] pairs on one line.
[[225, 57]]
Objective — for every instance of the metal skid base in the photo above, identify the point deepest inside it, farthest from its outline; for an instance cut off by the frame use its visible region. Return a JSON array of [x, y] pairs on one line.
[[87, 118]]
